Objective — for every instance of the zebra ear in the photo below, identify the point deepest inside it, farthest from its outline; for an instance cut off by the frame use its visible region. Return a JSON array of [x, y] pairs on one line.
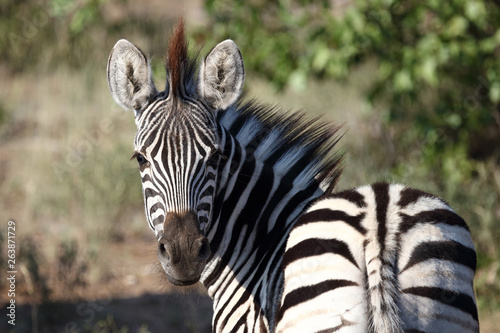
[[129, 76], [222, 74]]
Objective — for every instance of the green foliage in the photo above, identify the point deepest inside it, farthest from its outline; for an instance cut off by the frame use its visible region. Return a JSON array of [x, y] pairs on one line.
[[53, 31], [437, 65]]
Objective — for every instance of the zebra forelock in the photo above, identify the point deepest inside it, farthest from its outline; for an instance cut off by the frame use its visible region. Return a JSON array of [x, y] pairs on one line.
[[181, 79]]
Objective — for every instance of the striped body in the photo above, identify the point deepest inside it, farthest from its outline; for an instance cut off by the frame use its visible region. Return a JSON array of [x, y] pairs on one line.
[[381, 258]]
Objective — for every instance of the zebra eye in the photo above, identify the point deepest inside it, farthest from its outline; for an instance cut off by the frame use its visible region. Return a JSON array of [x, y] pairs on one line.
[[140, 159]]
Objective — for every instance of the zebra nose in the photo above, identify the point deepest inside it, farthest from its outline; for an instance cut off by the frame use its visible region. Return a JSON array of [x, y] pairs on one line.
[[182, 250], [170, 255]]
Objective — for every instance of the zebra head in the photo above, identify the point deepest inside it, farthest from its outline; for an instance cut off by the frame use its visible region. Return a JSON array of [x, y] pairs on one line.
[[177, 144]]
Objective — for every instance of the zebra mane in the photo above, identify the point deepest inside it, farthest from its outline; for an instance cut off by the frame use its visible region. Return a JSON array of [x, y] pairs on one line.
[[271, 132], [283, 137]]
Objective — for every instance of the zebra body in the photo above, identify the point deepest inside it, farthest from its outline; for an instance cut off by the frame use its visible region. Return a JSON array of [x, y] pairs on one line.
[[241, 198]]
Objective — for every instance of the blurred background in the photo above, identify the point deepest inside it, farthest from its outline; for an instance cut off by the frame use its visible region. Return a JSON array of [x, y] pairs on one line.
[[415, 83]]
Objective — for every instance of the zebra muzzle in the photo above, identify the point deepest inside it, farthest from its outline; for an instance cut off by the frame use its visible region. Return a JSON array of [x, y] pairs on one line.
[[182, 249]]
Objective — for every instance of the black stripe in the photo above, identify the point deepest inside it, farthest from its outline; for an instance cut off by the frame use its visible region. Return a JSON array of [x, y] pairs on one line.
[[443, 250], [351, 195], [155, 207], [327, 215], [146, 178], [381, 191], [304, 294], [208, 191], [229, 311], [316, 247], [158, 220], [459, 301], [204, 206], [432, 216], [202, 219], [149, 193], [410, 195], [240, 323]]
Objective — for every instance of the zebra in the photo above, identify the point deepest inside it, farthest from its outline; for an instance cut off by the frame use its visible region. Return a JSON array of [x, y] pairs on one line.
[[241, 198]]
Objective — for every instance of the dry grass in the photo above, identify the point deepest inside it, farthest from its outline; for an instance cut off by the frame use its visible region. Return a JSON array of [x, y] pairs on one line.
[[65, 168]]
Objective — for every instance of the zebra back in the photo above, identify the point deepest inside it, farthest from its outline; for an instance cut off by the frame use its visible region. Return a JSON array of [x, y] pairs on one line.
[[380, 258]]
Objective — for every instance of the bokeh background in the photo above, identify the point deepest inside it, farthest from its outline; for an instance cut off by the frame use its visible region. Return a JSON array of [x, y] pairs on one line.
[[415, 83]]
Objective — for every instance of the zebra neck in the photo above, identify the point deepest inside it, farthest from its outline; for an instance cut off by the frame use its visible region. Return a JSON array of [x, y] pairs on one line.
[[257, 201]]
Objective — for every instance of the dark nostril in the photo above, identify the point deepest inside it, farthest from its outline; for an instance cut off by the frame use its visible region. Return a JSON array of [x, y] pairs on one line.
[[204, 251], [163, 251], [161, 247]]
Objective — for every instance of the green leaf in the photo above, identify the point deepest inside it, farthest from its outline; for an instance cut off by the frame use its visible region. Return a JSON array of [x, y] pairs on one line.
[[320, 58], [428, 71], [453, 120], [298, 80], [403, 81], [495, 92], [356, 19], [384, 70], [475, 10], [457, 26]]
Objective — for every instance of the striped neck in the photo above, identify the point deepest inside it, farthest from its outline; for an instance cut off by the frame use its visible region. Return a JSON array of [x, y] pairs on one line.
[[253, 196], [259, 196]]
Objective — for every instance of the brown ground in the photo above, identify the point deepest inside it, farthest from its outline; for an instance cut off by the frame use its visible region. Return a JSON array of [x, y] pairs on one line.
[[135, 298]]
